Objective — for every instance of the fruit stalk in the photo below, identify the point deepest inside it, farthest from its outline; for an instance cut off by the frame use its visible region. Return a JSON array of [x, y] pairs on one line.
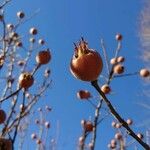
[[118, 117]]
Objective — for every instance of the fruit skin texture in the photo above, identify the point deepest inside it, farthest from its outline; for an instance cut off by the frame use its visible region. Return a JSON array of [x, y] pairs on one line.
[[25, 80], [2, 116], [144, 73], [83, 94], [118, 69], [119, 37], [5, 144], [88, 126], [43, 57], [86, 63], [105, 89]]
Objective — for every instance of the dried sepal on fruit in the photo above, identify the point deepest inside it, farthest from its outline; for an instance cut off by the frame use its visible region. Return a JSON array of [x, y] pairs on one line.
[[83, 94], [86, 63], [26, 80], [144, 73], [43, 57], [2, 116]]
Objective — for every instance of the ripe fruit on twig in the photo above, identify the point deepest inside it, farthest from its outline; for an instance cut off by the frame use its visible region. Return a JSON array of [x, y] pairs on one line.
[[140, 135], [113, 61], [47, 124], [25, 80], [18, 44], [144, 73], [2, 116], [88, 126], [118, 136], [129, 121], [118, 69], [106, 89], [86, 63], [43, 57], [120, 59], [32, 40], [119, 37], [113, 124], [83, 94], [33, 136], [33, 31], [10, 26], [41, 41], [5, 144], [38, 141], [20, 14]]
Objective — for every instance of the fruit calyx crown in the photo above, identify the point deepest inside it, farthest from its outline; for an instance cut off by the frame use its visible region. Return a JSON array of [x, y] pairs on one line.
[[81, 48]]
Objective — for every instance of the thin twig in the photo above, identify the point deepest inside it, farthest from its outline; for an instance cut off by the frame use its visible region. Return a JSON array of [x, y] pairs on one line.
[[105, 56], [118, 117], [96, 122]]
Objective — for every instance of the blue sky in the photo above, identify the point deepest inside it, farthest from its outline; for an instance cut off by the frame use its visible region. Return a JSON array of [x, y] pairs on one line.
[[63, 22]]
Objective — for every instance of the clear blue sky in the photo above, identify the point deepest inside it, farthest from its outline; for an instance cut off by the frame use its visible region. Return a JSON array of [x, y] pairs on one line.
[[62, 22]]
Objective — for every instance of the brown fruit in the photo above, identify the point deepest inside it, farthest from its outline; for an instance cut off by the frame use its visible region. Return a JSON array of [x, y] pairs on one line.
[[118, 69], [118, 136], [10, 26], [120, 59], [88, 126], [144, 73], [81, 140], [83, 122], [113, 141], [33, 136], [118, 125], [86, 63], [43, 57], [41, 41], [140, 135], [20, 14], [83, 94], [47, 124], [33, 31], [1, 17], [129, 121], [91, 146], [106, 89], [113, 124], [5, 144], [18, 44], [113, 61], [119, 37], [26, 80], [2, 116], [38, 141], [32, 40]]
